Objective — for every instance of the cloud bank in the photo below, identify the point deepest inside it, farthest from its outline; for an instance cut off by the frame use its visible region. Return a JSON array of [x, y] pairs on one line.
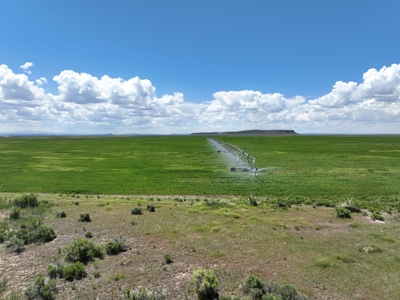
[[87, 104]]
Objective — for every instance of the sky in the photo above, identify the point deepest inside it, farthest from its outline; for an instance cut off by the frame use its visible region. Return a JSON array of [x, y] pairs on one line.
[[176, 67]]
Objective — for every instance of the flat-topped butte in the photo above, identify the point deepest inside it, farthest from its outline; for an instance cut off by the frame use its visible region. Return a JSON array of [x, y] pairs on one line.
[[249, 132]]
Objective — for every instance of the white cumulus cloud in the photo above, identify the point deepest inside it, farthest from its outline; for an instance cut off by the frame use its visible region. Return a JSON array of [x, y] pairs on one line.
[[116, 102], [23, 105], [26, 67], [85, 103], [41, 81], [377, 98]]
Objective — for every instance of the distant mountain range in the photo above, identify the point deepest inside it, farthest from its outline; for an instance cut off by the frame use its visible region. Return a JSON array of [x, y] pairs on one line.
[[39, 133], [250, 132], [243, 132], [51, 134]]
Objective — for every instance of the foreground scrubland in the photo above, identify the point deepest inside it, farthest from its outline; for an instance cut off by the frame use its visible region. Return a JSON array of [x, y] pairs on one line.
[[325, 219], [323, 256]]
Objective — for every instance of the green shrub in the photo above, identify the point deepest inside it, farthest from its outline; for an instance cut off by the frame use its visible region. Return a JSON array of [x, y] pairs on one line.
[[30, 200], [41, 290], [13, 296], [3, 236], [377, 216], [61, 214], [344, 258], [259, 290], [289, 292], [33, 231], [352, 206], [76, 202], [3, 284], [14, 213], [85, 217], [22, 234], [42, 234], [150, 207], [136, 210], [218, 254], [16, 244], [83, 250], [281, 204], [32, 224], [88, 234], [354, 225], [252, 200], [168, 258], [206, 284], [54, 271], [144, 294], [96, 274], [116, 247], [214, 203], [119, 277], [342, 212], [75, 271], [133, 222], [4, 227], [271, 288], [324, 262], [254, 287]]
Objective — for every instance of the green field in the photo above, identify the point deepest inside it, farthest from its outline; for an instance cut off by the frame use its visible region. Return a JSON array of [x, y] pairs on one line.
[[333, 167]]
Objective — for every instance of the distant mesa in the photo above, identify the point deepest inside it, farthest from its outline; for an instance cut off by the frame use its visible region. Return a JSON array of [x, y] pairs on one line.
[[250, 132]]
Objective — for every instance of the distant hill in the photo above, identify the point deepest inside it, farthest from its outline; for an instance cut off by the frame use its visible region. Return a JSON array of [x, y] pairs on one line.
[[250, 132]]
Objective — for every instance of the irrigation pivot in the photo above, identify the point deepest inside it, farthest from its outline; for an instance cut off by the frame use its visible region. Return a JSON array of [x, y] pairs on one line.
[[244, 161]]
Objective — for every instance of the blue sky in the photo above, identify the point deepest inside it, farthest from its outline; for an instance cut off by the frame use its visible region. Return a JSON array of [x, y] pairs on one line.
[[185, 66]]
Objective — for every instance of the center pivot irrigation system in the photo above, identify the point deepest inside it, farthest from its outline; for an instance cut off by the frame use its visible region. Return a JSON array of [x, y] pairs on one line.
[[244, 161]]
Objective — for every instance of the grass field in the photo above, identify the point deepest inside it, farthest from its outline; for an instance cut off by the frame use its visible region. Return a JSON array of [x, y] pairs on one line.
[[308, 166]]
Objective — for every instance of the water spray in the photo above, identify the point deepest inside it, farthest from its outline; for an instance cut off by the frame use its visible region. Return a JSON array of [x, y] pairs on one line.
[[244, 161]]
